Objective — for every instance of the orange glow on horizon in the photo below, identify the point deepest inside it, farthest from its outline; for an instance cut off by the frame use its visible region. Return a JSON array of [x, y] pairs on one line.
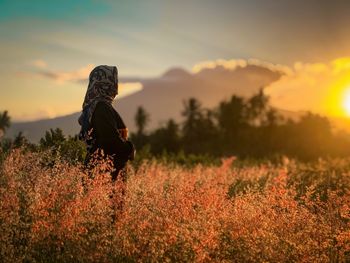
[[337, 103]]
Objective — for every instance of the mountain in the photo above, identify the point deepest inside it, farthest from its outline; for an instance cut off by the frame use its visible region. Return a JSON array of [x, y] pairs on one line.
[[34, 130], [163, 97]]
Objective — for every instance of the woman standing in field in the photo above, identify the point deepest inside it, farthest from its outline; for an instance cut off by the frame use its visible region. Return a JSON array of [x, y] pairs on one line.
[[102, 128]]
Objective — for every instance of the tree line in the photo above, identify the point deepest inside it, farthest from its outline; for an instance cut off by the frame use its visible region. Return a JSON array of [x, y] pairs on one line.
[[69, 148], [244, 127]]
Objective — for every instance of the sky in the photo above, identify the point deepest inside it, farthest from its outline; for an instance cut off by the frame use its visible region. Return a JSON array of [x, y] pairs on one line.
[[48, 48]]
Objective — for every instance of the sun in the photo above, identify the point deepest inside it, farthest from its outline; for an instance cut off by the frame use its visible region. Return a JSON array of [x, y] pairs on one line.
[[346, 102]]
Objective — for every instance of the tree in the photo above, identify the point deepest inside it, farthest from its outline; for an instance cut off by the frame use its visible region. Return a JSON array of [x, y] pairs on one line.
[[272, 118], [192, 112], [232, 115], [141, 119], [311, 137], [4, 122], [52, 138], [71, 149], [166, 138], [20, 140], [257, 107], [199, 131]]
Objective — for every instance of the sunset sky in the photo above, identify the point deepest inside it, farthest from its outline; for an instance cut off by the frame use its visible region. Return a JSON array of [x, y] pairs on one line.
[[48, 48]]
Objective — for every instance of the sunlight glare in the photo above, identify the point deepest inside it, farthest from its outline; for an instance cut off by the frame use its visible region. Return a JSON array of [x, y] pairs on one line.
[[346, 103]]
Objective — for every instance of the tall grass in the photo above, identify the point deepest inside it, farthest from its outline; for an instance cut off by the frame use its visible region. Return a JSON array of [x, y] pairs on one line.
[[56, 212]]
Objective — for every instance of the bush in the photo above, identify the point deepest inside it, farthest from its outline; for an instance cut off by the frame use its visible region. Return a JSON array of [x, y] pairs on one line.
[[170, 213]]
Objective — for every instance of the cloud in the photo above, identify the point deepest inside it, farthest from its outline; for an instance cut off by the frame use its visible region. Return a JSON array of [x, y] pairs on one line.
[[317, 87], [233, 64], [39, 63], [127, 88], [81, 76], [229, 64], [61, 77], [44, 112]]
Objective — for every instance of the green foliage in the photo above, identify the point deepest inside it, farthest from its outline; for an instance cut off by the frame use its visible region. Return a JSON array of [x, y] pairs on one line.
[[187, 160], [142, 118], [74, 149], [5, 120], [20, 140], [52, 138], [198, 127], [232, 115], [166, 139], [247, 128], [5, 143], [171, 158], [70, 149], [256, 107]]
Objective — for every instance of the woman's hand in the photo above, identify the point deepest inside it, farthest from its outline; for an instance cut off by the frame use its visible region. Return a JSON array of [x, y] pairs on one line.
[[123, 133]]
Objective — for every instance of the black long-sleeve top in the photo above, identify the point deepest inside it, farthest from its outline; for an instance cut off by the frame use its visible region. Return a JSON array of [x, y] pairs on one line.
[[105, 123]]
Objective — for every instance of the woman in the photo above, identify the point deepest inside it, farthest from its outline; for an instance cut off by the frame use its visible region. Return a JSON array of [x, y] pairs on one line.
[[102, 129]]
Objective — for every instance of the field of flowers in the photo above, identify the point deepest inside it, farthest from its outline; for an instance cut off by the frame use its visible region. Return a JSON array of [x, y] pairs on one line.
[[51, 211]]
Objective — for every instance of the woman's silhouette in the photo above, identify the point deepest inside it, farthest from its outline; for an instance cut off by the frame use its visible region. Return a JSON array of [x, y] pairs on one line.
[[102, 128]]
